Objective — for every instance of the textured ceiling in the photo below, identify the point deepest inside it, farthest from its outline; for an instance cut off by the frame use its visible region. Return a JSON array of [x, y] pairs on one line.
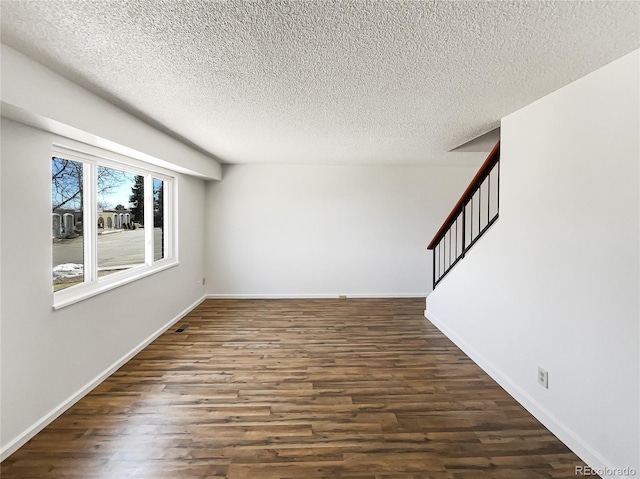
[[322, 81]]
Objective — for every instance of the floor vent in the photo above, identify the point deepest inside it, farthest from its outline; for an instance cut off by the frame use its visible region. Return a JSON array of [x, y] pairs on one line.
[[182, 327]]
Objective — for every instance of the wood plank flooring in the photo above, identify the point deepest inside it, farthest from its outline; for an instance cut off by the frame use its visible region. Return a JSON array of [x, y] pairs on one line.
[[297, 389]]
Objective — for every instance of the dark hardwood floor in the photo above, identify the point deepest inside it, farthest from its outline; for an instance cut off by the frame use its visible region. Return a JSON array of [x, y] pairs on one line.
[[262, 389]]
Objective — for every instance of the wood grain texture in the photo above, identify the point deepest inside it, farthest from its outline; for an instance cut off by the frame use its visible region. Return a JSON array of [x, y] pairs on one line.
[[297, 389]]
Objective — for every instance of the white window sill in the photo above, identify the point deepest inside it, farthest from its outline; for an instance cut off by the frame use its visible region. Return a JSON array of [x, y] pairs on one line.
[[80, 292]]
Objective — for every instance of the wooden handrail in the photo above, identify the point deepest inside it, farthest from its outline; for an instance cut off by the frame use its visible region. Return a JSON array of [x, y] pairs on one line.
[[477, 180]]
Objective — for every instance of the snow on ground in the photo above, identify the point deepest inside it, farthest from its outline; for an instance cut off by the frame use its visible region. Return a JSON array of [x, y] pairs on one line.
[[68, 270]]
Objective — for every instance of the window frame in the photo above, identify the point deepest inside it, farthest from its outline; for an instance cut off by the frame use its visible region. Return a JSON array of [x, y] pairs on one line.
[[92, 284]]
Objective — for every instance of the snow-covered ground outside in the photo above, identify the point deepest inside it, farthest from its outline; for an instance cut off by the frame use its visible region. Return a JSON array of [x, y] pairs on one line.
[[67, 270]]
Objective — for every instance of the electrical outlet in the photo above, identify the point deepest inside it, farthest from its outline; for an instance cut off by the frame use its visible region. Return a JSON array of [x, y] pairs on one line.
[[543, 377], [342, 296]]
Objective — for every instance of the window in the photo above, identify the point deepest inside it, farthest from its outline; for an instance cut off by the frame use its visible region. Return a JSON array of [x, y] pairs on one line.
[[158, 219], [124, 250], [66, 222], [111, 224]]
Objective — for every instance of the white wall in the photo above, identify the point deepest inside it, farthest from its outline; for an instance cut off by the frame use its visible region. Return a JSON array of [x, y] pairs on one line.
[[51, 357], [326, 230], [555, 282]]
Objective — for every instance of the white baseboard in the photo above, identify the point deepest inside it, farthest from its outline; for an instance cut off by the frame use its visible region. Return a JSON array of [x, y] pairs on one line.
[[313, 296], [564, 433], [19, 441]]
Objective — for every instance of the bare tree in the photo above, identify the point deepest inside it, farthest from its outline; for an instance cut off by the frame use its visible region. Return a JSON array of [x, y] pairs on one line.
[[110, 179], [66, 183]]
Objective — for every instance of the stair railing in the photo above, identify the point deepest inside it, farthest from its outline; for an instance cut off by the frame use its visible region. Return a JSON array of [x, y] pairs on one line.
[[476, 210]]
